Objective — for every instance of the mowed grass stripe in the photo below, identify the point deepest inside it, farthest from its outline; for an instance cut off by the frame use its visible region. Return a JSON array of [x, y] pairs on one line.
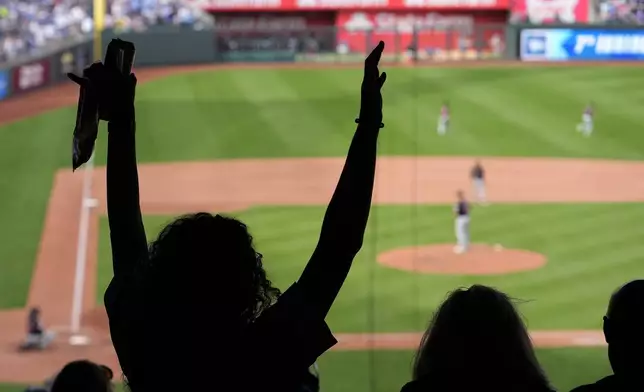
[[570, 292], [380, 371], [203, 116], [205, 121], [289, 116], [616, 120], [528, 116], [385, 371], [471, 125], [271, 118], [31, 151], [320, 114]]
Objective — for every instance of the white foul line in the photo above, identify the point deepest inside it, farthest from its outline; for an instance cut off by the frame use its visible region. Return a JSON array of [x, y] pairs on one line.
[[81, 250]]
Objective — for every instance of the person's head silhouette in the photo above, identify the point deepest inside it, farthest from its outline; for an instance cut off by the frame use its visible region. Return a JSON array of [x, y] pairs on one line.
[[477, 336], [624, 330], [83, 376], [211, 261], [204, 283]]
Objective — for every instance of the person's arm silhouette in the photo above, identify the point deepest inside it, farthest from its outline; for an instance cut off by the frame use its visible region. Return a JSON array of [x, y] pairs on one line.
[[127, 234], [293, 329], [346, 217]]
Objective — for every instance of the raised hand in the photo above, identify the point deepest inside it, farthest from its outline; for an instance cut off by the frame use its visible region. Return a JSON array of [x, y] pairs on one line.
[[114, 92], [372, 82]]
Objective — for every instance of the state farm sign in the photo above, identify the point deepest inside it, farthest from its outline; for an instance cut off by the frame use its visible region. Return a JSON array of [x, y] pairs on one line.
[[430, 30], [31, 76]]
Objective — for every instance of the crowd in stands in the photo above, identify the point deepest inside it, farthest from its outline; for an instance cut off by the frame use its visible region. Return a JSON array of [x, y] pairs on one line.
[[173, 330], [621, 11], [29, 26], [599, 12]]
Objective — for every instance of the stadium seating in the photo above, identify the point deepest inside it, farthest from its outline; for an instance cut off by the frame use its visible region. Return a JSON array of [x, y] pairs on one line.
[[27, 27]]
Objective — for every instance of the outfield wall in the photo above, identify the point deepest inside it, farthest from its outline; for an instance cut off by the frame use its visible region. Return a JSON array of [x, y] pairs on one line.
[[45, 69], [455, 39]]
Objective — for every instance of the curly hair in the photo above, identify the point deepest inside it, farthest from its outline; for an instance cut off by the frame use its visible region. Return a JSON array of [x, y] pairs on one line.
[[195, 248]]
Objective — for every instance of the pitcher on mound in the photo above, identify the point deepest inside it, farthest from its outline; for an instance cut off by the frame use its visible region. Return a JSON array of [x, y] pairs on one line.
[[462, 224]]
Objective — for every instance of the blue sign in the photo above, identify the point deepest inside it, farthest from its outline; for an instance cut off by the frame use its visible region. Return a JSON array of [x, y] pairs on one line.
[[580, 45], [4, 84]]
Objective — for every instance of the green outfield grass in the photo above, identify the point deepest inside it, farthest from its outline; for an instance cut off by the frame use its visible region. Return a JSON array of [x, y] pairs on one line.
[[592, 248], [387, 371], [586, 262], [209, 115]]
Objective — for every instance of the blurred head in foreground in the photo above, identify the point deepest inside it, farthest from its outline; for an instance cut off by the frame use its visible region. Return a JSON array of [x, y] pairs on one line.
[[83, 376], [478, 341], [624, 330]]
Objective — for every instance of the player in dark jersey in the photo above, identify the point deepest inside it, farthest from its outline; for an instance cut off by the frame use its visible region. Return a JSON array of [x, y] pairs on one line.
[[443, 119], [462, 223], [37, 337], [478, 181], [586, 124]]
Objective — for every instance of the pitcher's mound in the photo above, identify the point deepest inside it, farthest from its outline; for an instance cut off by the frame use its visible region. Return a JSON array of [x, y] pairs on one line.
[[478, 260]]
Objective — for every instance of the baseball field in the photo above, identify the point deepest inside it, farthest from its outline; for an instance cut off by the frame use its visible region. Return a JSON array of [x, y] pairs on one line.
[[267, 145]]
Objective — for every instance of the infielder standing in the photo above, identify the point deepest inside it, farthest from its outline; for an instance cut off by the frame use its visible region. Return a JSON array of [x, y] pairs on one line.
[[462, 224], [478, 182], [443, 119], [586, 124]]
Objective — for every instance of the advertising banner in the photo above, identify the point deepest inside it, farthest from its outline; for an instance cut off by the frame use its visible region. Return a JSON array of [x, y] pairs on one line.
[[273, 36], [4, 84], [550, 11], [30, 76], [581, 45], [427, 31], [334, 5]]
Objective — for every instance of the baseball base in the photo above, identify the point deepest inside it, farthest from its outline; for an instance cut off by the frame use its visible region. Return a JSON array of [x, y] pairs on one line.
[[78, 340]]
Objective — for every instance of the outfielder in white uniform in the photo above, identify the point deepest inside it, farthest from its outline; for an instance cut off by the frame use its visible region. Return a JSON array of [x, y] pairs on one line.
[[462, 224], [443, 120], [586, 124]]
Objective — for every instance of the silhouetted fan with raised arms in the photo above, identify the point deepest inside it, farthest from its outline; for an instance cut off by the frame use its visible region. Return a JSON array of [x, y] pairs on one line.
[[195, 308]]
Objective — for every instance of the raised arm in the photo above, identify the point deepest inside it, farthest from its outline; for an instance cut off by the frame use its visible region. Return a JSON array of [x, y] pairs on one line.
[[127, 234], [346, 216]]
